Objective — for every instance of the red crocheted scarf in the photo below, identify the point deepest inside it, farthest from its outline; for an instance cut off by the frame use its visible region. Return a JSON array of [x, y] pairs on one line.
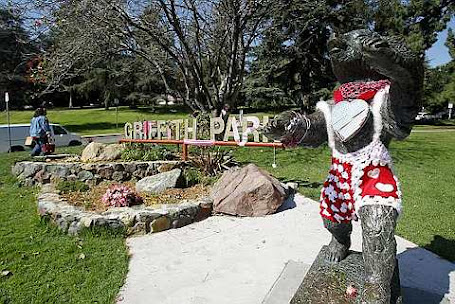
[[359, 90]]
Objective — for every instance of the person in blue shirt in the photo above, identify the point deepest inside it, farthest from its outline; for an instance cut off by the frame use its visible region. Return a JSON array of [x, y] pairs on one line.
[[39, 130]]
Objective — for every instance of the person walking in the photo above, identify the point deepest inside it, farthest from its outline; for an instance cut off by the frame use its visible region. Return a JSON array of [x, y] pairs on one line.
[[40, 131]]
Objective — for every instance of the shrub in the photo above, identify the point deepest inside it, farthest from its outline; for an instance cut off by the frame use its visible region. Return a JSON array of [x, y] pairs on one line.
[[194, 176], [143, 152], [120, 196], [212, 161], [71, 186]]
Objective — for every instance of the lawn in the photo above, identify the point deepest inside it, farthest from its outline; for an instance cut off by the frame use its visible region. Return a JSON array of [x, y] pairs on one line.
[[50, 267], [99, 121], [47, 266], [425, 164]]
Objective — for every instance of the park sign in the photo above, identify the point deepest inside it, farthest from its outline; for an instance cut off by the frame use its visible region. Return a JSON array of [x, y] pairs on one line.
[[238, 128]]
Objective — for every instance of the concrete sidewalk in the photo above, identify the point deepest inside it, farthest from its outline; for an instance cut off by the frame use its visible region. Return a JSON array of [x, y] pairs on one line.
[[237, 260]]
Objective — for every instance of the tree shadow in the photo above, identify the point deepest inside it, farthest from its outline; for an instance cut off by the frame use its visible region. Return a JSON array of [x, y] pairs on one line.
[[443, 247], [91, 126]]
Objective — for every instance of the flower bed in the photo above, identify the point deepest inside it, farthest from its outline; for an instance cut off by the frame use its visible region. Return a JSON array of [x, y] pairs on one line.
[[137, 219], [97, 197]]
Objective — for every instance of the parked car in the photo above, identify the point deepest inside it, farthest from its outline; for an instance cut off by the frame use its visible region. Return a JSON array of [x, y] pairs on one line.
[[19, 133]]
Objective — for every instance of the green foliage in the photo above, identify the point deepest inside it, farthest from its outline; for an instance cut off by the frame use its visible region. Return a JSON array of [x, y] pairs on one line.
[[16, 50], [194, 176], [450, 43], [71, 186], [212, 161], [146, 152], [291, 66], [439, 88]]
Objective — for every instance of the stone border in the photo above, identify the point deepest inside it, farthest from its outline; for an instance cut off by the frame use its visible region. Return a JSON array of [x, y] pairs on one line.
[[31, 173], [134, 220]]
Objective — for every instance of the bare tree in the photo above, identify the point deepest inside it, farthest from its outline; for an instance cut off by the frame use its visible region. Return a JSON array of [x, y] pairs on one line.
[[203, 44]]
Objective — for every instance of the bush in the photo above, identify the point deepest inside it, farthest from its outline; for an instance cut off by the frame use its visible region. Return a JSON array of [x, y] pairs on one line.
[[143, 152], [194, 176], [71, 186]]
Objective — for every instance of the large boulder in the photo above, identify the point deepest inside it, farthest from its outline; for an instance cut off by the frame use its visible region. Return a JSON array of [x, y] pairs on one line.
[[101, 152], [249, 191], [159, 182]]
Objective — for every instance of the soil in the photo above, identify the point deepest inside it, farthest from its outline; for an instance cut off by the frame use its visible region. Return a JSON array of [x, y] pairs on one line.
[[91, 199]]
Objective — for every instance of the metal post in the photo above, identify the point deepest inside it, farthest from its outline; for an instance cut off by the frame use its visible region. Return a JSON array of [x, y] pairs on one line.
[[8, 119], [184, 152]]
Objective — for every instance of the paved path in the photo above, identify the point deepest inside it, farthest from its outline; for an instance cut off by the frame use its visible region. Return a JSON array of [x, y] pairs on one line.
[[237, 260]]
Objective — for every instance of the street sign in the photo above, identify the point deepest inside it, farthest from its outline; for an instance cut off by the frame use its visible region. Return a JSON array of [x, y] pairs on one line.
[[450, 106]]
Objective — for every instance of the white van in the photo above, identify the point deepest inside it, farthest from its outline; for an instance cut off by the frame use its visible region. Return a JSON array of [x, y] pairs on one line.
[[19, 133]]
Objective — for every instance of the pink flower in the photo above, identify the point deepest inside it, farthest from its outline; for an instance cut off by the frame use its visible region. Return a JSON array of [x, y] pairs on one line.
[[120, 196], [351, 292]]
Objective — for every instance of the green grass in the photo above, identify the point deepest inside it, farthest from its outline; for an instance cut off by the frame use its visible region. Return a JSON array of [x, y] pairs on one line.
[[100, 121], [425, 164], [95, 121], [45, 264]]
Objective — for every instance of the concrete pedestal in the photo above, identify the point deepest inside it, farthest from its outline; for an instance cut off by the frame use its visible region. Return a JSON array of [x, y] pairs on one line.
[[327, 283]]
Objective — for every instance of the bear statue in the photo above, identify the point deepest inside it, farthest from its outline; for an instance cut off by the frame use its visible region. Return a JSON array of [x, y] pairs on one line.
[[378, 98]]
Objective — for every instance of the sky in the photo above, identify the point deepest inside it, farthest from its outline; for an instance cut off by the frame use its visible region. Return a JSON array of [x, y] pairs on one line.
[[439, 54]]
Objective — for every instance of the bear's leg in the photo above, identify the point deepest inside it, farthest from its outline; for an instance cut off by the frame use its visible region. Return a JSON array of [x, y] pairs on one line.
[[341, 240], [379, 251]]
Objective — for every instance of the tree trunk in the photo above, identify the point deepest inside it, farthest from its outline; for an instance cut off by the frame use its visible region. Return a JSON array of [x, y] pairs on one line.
[[70, 105]]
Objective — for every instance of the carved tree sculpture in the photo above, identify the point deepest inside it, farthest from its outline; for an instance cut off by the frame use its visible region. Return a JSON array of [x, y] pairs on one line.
[[381, 81]]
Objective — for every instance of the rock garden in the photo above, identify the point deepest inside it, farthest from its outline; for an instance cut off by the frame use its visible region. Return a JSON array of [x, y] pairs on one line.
[[142, 189]]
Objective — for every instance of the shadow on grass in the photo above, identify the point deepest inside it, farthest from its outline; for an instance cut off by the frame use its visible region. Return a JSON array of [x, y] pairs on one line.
[[92, 126], [443, 247]]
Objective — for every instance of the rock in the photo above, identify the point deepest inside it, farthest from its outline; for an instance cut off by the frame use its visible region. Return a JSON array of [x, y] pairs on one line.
[[92, 151], [138, 228], [119, 176], [74, 228], [101, 152], [166, 167], [28, 182], [130, 167], [111, 152], [17, 169], [181, 221], [84, 176], [160, 224], [71, 178], [105, 172], [43, 177], [335, 281], [30, 169], [160, 182], [248, 191], [146, 217], [57, 171], [86, 221], [119, 167]]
